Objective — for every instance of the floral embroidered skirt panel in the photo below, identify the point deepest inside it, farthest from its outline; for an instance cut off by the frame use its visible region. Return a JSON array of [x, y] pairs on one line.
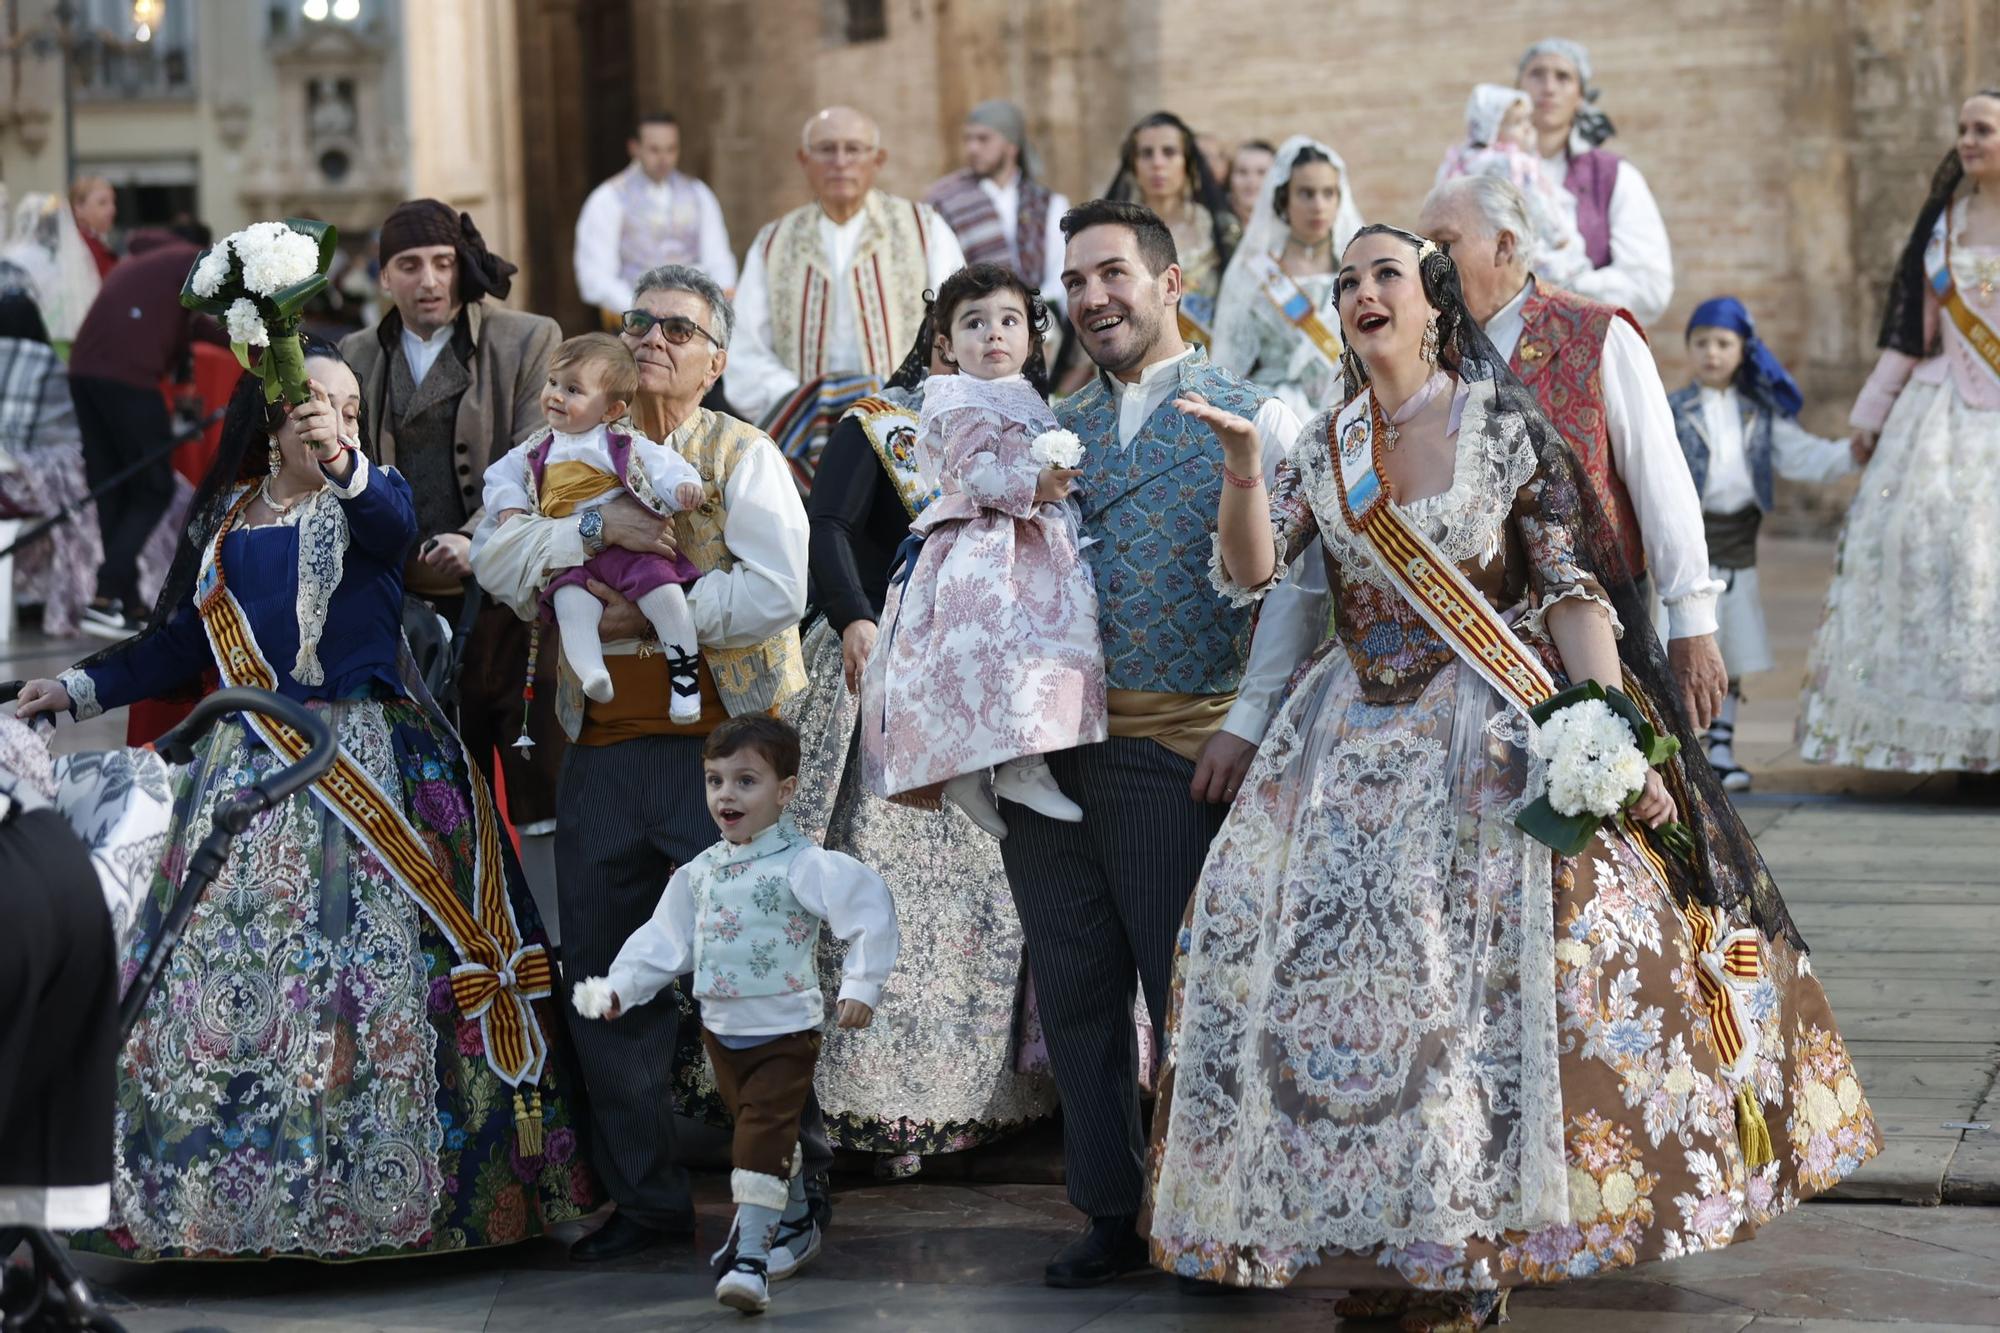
[[937, 1070], [1901, 676], [1410, 1046], [301, 1083]]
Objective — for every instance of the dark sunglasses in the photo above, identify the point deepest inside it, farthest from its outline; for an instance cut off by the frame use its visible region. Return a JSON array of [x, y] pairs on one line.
[[676, 329]]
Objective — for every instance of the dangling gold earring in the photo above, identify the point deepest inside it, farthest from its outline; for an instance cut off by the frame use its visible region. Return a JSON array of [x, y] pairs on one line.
[[277, 457], [1430, 344]]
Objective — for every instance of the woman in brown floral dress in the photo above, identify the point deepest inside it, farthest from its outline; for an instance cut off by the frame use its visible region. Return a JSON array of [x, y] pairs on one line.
[[1415, 1053]]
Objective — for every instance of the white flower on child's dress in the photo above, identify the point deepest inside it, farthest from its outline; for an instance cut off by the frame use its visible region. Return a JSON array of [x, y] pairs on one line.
[[245, 324], [1594, 760], [213, 269], [1057, 448]]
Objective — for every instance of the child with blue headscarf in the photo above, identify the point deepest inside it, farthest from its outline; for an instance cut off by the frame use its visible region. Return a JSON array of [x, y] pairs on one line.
[[1738, 427]]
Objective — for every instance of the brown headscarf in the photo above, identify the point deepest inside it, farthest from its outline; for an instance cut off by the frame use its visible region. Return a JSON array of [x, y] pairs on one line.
[[416, 222]]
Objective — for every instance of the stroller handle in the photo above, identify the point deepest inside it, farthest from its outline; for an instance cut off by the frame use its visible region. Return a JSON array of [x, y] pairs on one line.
[[177, 747]]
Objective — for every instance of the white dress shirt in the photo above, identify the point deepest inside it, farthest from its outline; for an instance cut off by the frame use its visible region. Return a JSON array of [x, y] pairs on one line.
[[599, 240], [422, 353], [833, 886], [1293, 619], [1646, 451], [1796, 453], [764, 527], [1640, 276], [1006, 201], [757, 378]]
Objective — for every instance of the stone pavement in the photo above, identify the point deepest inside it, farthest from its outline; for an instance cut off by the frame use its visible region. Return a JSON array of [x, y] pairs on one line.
[[1895, 882]]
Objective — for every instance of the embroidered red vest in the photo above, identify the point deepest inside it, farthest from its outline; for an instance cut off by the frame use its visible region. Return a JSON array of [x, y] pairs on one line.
[[1560, 357]]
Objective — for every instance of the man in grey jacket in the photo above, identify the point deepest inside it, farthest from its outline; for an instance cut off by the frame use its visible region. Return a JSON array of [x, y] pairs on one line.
[[450, 382]]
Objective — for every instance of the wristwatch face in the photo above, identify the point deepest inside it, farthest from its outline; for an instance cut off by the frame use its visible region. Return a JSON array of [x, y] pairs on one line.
[[591, 528]]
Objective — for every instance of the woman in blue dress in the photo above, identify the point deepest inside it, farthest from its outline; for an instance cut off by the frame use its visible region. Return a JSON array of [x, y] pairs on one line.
[[349, 1054]]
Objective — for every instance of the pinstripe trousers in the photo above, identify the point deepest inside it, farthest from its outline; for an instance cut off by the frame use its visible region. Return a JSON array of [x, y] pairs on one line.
[[632, 813], [1100, 904]]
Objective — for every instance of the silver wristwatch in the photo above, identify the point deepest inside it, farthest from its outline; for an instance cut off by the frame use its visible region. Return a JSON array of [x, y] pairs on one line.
[[590, 527]]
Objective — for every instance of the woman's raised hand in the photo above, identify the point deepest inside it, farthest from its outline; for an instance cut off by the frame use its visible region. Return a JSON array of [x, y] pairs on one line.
[[1052, 484], [318, 423], [1242, 448]]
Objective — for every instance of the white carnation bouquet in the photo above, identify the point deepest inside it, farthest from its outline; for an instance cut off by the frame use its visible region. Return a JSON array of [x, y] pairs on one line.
[[1057, 448], [1598, 745], [257, 281]]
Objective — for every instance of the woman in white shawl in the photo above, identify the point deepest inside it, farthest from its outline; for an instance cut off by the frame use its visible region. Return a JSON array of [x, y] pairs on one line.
[[1274, 324]]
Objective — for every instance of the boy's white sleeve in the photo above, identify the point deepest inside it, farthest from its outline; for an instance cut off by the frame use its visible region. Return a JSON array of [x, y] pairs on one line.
[[1804, 456], [665, 469], [507, 481], [855, 904], [658, 951]]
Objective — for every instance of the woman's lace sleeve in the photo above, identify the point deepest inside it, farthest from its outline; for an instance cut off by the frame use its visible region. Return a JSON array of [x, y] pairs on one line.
[[1543, 514], [1292, 529]]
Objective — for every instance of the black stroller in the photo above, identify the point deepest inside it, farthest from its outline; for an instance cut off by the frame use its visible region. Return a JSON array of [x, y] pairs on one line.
[[48, 1294]]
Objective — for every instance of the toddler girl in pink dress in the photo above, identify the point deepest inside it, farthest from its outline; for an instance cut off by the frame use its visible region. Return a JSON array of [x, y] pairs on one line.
[[988, 656]]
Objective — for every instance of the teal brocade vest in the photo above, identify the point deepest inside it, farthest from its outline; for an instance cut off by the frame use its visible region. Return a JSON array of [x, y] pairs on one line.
[[752, 937], [1151, 506]]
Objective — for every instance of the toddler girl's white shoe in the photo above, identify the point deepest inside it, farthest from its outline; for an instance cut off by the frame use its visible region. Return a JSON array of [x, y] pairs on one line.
[[744, 1287], [1028, 782], [967, 791], [684, 706], [796, 1245]]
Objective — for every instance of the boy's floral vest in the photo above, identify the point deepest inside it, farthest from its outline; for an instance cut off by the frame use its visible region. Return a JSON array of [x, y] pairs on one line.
[[751, 936], [1151, 506]]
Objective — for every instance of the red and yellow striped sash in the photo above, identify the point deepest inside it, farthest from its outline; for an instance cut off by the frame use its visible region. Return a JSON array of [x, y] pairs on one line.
[[496, 977], [1728, 964]]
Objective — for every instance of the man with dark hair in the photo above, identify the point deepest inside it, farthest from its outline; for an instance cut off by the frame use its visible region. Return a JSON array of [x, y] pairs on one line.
[[1190, 693], [647, 215], [451, 383]]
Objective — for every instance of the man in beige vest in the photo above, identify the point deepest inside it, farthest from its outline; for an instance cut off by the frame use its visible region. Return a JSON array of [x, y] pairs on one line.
[[832, 292], [631, 802]]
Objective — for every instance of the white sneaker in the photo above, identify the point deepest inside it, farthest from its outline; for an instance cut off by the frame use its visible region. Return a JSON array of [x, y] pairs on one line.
[[744, 1287], [1031, 784], [967, 791], [796, 1245]]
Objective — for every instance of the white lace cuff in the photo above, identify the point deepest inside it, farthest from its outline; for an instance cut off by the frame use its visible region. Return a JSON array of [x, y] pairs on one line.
[[357, 480], [82, 692], [1228, 588], [1535, 622]]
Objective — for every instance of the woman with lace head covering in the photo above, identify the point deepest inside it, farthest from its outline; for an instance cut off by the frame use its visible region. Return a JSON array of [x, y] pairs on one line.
[[1632, 264], [1901, 676], [1274, 323], [1418, 1053], [360, 1005], [1161, 166]]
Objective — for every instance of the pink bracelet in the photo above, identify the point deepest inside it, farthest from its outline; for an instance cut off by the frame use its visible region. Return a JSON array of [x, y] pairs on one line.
[[1247, 483]]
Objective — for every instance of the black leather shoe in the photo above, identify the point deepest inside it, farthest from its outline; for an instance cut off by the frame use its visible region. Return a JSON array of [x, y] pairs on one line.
[[621, 1236], [1110, 1249]]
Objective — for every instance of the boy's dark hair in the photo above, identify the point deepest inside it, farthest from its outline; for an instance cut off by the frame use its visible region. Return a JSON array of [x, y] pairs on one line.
[[977, 280], [656, 117], [770, 737], [1156, 243]]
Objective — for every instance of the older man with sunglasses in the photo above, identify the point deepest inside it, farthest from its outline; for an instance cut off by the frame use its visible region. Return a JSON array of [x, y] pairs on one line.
[[631, 801], [832, 292]]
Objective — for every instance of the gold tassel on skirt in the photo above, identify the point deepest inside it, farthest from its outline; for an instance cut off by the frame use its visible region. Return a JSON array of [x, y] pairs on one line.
[[528, 1122], [1751, 1130]]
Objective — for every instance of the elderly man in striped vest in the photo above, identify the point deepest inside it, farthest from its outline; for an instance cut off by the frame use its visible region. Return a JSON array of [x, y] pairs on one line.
[[1590, 369], [832, 292]]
